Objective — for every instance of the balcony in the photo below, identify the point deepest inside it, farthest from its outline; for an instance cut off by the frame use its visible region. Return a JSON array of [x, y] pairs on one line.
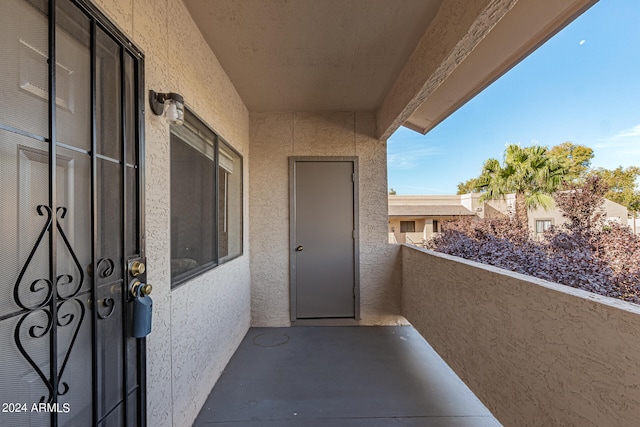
[[535, 353]]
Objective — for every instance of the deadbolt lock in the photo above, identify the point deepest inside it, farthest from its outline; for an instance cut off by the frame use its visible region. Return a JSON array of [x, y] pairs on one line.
[[136, 268], [145, 288]]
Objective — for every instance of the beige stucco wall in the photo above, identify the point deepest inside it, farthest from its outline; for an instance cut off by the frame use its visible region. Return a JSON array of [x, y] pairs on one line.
[[612, 212], [420, 223], [274, 138], [197, 327], [536, 353], [422, 226]]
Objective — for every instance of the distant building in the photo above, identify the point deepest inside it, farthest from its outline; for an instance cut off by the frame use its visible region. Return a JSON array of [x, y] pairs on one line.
[[415, 219]]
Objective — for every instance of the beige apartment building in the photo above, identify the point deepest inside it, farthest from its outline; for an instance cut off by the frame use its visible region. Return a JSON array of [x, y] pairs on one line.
[[415, 219], [205, 152]]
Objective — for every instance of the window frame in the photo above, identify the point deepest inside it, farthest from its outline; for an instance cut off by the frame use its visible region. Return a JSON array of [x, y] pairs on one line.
[[229, 147], [543, 221], [185, 277]]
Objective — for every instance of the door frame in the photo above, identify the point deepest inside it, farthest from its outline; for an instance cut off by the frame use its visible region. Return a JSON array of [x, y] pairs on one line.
[[293, 160]]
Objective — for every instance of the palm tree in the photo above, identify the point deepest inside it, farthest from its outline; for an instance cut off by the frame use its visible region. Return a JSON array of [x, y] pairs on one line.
[[528, 172]]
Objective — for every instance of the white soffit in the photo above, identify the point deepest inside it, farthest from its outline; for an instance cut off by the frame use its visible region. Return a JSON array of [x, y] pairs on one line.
[[313, 55], [523, 29]]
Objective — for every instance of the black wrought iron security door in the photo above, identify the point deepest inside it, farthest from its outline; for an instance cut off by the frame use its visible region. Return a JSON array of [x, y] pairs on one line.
[[70, 218]]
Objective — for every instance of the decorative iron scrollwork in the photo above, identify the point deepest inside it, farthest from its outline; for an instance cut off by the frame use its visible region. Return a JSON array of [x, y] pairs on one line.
[[38, 321], [42, 211], [111, 306], [62, 212], [42, 323], [67, 319], [106, 267], [35, 331]]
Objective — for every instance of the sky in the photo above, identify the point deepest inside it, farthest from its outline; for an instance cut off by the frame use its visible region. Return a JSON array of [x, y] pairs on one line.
[[582, 86]]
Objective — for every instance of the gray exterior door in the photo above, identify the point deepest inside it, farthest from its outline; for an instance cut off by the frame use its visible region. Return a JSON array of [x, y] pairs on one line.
[[71, 175], [323, 244]]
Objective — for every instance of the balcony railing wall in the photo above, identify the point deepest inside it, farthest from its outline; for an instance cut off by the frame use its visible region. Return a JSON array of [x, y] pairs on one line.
[[536, 353]]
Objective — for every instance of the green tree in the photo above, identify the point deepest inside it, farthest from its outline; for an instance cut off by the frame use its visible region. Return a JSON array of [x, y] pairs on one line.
[[528, 172], [575, 159], [469, 186], [622, 186], [392, 192]]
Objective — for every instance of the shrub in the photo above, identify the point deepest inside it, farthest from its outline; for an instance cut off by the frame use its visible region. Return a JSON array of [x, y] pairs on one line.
[[584, 253]]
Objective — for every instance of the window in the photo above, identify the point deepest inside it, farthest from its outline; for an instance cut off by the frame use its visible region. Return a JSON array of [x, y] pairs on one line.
[[229, 203], [407, 226], [206, 200], [542, 225], [435, 226]]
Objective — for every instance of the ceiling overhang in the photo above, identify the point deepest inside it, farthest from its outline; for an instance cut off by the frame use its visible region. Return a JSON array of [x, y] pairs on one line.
[[526, 26], [313, 55], [412, 62]]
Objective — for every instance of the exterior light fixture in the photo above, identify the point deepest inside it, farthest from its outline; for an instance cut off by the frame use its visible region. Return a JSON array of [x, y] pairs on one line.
[[171, 104]]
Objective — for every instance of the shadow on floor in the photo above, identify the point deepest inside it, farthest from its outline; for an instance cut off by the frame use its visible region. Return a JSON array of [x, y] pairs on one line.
[[340, 376]]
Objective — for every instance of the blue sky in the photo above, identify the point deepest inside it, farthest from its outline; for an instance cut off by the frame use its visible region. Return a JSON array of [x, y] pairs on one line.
[[583, 86]]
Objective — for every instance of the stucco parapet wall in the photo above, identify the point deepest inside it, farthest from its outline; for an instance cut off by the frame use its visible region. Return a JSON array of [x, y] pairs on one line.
[[536, 353]]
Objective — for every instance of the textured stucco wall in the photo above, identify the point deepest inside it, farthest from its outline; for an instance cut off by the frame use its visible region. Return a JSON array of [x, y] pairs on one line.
[[198, 326], [536, 353], [276, 136], [611, 210]]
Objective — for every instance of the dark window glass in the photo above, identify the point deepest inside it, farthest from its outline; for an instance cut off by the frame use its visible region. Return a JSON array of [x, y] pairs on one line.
[[407, 226], [192, 200], [203, 235]]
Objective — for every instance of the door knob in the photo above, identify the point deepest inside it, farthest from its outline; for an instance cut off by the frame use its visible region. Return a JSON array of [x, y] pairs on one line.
[[299, 248], [145, 288]]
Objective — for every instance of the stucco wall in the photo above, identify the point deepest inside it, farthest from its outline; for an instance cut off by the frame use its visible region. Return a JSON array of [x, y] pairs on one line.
[[536, 353], [612, 212], [276, 136], [197, 327]]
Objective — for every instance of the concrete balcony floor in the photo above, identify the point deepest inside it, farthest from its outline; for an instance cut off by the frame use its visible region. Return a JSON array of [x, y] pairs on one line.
[[340, 376]]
